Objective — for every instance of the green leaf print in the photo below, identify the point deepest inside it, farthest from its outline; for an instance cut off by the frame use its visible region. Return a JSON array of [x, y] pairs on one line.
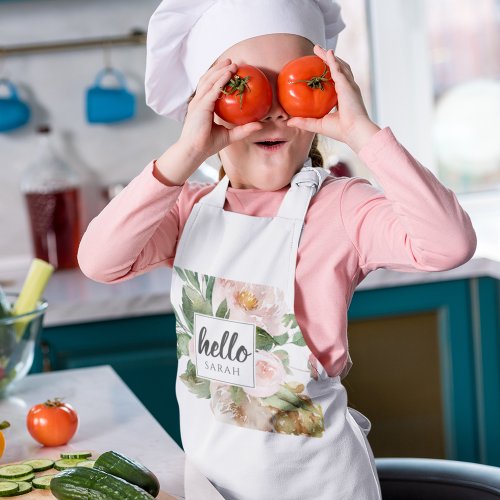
[[210, 287], [183, 345], [222, 310], [181, 274], [238, 395], [298, 339], [187, 309], [198, 386], [281, 339], [285, 360], [199, 303], [285, 400], [193, 279], [305, 422], [289, 321], [264, 341]]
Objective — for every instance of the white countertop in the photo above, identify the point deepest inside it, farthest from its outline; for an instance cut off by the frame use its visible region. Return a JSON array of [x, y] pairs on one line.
[[110, 418], [73, 298]]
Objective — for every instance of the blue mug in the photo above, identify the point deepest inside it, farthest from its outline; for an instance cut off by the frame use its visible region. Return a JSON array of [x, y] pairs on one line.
[[14, 113], [109, 104]]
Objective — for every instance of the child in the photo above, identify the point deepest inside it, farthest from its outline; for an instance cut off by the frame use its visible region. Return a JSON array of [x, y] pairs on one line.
[[265, 262]]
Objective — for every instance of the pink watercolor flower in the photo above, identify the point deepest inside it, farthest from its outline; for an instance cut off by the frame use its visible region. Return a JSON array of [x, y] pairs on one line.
[[269, 375], [259, 304]]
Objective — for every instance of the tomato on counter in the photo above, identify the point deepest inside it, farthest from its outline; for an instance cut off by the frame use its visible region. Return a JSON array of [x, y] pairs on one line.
[[306, 88], [3, 425], [52, 423]]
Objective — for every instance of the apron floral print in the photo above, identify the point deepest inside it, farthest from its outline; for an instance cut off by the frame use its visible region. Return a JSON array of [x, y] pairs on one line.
[[278, 402]]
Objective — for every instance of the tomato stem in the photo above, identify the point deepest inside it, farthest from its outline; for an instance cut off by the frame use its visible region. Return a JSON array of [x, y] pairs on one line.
[[4, 425], [54, 403], [316, 82], [238, 85]]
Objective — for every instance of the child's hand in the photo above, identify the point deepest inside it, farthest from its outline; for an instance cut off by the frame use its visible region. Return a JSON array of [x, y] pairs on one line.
[[350, 123], [200, 133]]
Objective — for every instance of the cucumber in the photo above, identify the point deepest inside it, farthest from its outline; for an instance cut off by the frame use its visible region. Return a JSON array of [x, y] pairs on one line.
[[66, 463], [24, 487], [128, 469], [86, 463], [40, 464], [13, 471], [7, 488], [43, 482], [25, 478], [93, 484], [77, 454]]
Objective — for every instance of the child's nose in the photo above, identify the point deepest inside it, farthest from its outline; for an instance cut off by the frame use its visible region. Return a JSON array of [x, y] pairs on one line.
[[276, 112]]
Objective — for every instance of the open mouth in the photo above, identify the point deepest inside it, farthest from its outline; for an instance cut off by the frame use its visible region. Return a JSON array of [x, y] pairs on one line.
[[271, 145]]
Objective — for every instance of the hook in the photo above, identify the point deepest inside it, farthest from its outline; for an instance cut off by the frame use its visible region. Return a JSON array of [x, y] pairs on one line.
[[107, 55], [3, 57]]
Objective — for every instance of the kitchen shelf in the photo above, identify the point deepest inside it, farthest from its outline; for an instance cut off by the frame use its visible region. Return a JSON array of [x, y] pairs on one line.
[[135, 37]]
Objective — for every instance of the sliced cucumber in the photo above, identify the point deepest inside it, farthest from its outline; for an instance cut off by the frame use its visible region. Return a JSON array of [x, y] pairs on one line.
[[24, 487], [86, 463], [25, 478], [66, 463], [40, 464], [43, 482], [76, 454], [13, 471], [7, 488]]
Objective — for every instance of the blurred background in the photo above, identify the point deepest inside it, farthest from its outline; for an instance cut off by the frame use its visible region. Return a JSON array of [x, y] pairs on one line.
[[427, 68], [429, 356]]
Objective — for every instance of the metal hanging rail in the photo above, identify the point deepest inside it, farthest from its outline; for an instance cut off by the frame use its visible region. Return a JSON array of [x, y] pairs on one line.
[[136, 37]]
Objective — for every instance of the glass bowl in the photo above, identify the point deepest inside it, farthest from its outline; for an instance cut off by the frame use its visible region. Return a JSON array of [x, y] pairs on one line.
[[18, 336]]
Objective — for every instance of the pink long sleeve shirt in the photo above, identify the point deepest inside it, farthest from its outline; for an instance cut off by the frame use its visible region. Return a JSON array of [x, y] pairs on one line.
[[351, 228]]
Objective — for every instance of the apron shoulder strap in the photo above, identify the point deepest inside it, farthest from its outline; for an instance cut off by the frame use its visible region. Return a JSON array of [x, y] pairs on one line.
[[217, 196], [304, 185]]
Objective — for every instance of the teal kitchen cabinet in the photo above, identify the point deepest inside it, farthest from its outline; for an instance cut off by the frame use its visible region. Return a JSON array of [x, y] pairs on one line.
[[426, 367], [142, 350]]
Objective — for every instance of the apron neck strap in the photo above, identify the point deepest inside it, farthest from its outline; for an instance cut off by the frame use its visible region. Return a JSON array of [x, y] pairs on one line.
[[303, 186]]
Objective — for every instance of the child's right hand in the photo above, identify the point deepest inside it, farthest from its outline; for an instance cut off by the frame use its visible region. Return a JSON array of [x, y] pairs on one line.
[[200, 133]]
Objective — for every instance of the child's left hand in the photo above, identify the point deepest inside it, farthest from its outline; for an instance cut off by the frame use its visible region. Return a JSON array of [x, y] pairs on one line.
[[350, 123]]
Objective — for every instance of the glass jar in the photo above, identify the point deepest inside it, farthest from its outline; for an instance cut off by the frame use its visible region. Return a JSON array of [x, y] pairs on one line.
[[52, 193]]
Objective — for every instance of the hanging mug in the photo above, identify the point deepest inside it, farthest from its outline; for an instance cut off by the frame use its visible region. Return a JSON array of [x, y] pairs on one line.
[[109, 104], [14, 113]]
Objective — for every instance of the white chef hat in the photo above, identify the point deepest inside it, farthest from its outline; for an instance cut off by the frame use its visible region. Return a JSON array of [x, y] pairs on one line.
[[186, 36]]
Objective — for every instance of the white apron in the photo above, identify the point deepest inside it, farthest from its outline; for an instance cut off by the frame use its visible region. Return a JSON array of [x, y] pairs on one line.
[[260, 417]]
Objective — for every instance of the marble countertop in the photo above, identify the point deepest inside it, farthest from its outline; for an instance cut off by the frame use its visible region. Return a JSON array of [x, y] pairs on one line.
[[73, 298], [110, 418]]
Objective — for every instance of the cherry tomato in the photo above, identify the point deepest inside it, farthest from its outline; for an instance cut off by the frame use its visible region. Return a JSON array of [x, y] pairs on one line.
[[52, 423], [246, 98], [3, 425], [306, 88]]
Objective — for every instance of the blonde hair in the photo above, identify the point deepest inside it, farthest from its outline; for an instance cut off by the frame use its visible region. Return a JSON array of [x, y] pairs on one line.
[[314, 152]]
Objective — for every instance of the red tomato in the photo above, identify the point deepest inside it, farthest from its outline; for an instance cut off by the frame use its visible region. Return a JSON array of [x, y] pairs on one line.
[[52, 423], [306, 88], [246, 98]]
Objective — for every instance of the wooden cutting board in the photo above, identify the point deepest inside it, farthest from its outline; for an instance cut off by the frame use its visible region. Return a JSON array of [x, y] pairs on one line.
[[36, 493]]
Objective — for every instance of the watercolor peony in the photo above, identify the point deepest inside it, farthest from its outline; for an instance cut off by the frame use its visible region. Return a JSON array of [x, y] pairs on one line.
[[250, 303], [269, 375]]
